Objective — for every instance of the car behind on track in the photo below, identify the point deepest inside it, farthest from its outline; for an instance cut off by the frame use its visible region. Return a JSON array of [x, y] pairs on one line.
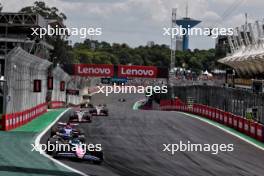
[[99, 110], [80, 116]]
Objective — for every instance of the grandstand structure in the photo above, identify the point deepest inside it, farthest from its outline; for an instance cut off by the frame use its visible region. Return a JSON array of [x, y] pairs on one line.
[[246, 47], [15, 31]]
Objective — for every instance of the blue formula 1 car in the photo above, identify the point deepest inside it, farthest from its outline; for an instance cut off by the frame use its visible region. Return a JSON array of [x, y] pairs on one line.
[[74, 149], [67, 130]]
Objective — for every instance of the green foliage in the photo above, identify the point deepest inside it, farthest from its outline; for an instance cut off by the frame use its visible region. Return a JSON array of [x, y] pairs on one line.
[[157, 55], [45, 11]]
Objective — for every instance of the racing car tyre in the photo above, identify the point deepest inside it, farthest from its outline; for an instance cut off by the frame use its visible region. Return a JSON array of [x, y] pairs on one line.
[[53, 131], [100, 155]]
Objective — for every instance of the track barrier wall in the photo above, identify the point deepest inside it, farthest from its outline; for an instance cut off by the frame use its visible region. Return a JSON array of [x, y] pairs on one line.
[[21, 71], [58, 96], [22, 103], [17, 119], [239, 123], [74, 97], [57, 104], [236, 100]]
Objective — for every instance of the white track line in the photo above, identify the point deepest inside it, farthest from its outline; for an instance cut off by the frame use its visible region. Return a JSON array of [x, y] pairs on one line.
[[37, 143]]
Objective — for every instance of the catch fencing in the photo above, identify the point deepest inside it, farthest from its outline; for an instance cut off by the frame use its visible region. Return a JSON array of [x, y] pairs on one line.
[[237, 101], [21, 102], [74, 99], [21, 69], [60, 81], [26, 90]]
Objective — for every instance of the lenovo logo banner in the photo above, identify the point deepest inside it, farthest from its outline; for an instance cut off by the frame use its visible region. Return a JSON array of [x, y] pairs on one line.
[[102, 70], [137, 71]]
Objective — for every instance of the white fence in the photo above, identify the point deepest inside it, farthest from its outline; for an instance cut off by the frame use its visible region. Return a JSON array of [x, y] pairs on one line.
[[21, 69]]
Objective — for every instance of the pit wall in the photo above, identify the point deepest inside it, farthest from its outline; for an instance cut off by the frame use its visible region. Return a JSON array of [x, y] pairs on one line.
[[239, 123]]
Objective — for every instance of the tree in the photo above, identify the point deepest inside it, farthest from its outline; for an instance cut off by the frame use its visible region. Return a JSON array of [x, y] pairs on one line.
[[157, 55], [45, 11]]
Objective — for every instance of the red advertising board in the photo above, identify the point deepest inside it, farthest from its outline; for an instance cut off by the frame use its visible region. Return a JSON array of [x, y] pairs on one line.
[[101, 70], [128, 71]]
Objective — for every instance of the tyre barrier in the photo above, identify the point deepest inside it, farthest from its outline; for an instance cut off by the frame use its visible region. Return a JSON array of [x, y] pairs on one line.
[[239, 123], [17, 119]]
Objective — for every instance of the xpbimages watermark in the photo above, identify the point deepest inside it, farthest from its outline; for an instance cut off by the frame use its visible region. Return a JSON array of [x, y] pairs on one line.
[[213, 32], [50, 147], [124, 89], [192, 147], [82, 32]]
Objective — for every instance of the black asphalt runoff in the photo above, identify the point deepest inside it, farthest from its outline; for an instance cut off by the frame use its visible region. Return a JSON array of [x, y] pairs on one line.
[[133, 142]]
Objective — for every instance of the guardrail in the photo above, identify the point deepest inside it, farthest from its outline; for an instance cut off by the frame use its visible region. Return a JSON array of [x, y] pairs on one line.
[[239, 123], [17, 119]]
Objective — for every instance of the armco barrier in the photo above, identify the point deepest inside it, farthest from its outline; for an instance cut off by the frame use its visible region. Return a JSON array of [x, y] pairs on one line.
[[17, 119], [248, 127]]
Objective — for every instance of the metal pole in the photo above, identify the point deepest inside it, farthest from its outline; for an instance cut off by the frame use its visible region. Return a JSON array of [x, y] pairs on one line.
[[5, 87]]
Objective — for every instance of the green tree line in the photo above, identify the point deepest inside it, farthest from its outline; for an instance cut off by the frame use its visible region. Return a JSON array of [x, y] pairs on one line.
[[158, 55]]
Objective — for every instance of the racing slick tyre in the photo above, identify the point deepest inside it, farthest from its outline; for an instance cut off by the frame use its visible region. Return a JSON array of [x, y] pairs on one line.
[[100, 155], [53, 131]]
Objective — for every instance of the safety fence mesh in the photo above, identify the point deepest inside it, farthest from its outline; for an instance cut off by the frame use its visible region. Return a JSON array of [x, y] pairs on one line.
[[237, 101], [21, 69], [59, 76], [72, 99]]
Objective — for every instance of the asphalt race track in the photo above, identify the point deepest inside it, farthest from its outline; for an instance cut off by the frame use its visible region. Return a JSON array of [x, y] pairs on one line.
[[133, 143]]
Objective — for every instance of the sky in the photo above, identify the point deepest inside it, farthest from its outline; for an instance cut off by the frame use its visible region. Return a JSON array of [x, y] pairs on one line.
[[136, 22]]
